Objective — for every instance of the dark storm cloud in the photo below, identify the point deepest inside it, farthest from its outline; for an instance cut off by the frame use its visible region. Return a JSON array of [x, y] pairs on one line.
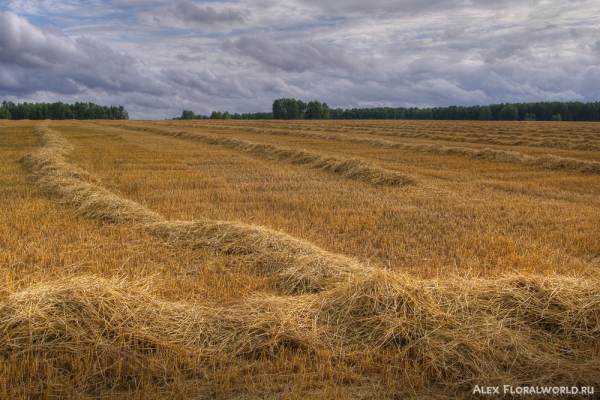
[[208, 82], [35, 60], [295, 57], [191, 13]]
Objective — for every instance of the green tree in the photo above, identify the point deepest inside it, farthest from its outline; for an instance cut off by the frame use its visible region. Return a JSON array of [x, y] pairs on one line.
[[313, 110], [278, 109], [288, 109], [293, 109], [187, 114], [121, 113], [325, 111], [316, 110], [556, 117], [485, 114], [509, 113], [4, 113]]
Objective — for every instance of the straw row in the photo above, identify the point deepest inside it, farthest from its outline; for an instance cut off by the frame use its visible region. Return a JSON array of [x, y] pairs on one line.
[[575, 141], [349, 168], [454, 334], [512, 157], [585, 142], [71, 185], [299, 265]]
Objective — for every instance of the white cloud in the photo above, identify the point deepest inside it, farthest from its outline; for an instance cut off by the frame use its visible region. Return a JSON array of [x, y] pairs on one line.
[[42, 60], [24, 45]]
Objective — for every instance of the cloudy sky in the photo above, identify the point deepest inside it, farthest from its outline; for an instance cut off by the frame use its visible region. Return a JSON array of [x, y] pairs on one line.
[[159, 57]]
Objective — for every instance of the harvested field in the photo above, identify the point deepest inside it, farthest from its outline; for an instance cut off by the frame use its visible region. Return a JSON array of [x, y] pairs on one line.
[[302, 265], [347, 167], [549, 161], [574, 136], [175, 260]]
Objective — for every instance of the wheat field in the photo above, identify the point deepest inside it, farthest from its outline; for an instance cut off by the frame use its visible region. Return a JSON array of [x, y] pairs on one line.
[[297, 259]]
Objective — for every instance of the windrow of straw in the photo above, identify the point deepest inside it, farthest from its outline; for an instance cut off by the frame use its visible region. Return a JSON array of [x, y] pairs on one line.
[[587, 143], [511, 157], [73, 186], [299, 265], [93, 334], [583, 142], [349, 168], [519, 330], [453, 333]]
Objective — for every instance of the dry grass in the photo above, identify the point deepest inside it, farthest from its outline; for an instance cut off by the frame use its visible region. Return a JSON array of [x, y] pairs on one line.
[[349, 168], [107, 299], [94, 334]]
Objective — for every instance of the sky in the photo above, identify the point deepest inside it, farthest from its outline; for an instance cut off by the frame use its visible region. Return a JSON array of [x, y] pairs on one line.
[[159, 57]]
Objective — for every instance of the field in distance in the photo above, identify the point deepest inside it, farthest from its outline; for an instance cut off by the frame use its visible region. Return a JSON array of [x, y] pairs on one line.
[[297, 259]]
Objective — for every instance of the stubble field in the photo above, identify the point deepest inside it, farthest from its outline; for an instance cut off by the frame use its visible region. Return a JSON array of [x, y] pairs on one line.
[[297, 259]]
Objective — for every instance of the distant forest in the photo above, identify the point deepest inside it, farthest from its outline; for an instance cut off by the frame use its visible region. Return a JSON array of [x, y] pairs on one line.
[[189, 114], [538, 111], [10, 110]]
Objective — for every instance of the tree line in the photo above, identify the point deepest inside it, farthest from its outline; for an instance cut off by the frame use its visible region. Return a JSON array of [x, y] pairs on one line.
[[189, 114], [282, 109], [297, 109], [537, 111], [59, 110]]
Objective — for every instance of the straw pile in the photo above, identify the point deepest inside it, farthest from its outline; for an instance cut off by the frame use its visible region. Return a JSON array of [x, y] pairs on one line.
[[102, 334], [349, 168], [95, 336], [454, 334], [521, 330], [299, 265], [512, 157]]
